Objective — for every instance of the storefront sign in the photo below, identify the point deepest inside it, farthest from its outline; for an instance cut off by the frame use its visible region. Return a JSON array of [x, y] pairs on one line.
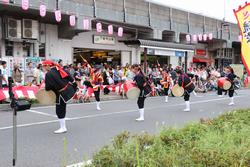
[[105, 40], [179, 54], [164, 53], [201, 52]]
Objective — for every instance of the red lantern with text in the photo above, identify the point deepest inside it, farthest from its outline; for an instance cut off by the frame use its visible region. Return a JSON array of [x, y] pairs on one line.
[[110, 30], [188, 38], [58, 15], [25, 4], [43, 10], [210, 36], [86, 24], [99, 27], [72, 20], [120, 32]]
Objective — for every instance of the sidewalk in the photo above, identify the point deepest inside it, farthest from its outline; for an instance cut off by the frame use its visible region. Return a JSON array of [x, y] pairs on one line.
[[112, 96]]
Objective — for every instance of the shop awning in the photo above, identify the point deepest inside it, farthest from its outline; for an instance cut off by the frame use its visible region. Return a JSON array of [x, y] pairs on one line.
[[201, 60], [159, 45]]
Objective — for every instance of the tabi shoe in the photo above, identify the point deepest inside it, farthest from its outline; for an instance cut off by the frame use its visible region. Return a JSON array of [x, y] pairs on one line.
[[187, 109], [63, 128], [98, 106], [141, 118], [166, 99], [231, 101]]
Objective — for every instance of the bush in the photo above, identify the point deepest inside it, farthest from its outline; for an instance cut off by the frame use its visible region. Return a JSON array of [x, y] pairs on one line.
[[221, 142]]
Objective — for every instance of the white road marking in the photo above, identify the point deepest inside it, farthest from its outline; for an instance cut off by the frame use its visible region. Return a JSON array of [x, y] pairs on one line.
[[81, 164], [113, 113], [42, 113]]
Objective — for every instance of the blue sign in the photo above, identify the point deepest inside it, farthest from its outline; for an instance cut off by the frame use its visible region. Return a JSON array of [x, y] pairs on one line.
[[179, 54]]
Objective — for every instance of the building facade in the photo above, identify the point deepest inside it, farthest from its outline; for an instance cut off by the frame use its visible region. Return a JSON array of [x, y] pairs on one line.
[[151, 33]]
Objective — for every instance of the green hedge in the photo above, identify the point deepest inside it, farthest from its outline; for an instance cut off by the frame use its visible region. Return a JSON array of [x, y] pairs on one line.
[[222, 142]]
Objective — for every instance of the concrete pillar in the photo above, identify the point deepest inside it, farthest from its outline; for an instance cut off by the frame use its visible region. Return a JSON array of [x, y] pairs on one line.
[[125, 58]]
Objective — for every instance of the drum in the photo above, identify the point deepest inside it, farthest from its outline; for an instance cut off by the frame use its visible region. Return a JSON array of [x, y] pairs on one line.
[[46, 97], [177, 91], [224, 84], [131, 90]]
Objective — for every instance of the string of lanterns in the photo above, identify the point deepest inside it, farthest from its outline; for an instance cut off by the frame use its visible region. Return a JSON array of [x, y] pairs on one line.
[[72, 18], [199, 37]]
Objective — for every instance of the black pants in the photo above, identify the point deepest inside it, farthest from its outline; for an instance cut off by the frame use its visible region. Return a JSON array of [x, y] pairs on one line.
[[140, 102], [97, 95], [60, 108], [166, 91], [230, 92], [186, 95]]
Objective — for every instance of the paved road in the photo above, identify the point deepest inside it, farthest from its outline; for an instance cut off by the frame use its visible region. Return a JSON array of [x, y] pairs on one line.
[[89, 129]]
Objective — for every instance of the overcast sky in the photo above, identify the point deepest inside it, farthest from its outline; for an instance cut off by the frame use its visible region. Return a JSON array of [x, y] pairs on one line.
[[212, 8]]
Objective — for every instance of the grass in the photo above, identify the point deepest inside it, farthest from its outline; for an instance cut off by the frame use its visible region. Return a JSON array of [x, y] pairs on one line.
[[221, 142]]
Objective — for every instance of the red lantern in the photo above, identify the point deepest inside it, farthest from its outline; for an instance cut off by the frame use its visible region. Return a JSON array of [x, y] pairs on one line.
[[72, 20], [210, 36], [99, 27], [110, 30], [205, 37], [86, 24], [188, 38], [25, 4], [120, 32], [42, 10], [194, 38], [58, 15]]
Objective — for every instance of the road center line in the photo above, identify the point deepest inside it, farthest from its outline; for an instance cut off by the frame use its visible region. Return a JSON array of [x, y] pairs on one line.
[[113, 113]]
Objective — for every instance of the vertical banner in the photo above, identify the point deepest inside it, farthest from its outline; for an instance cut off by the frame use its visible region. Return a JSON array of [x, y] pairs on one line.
[[25, 4], [58, 15], [243, 17], [43, 10], [72, 20]]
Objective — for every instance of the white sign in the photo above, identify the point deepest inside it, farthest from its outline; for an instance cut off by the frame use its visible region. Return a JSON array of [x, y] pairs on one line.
[[105, 40], [164, 53]]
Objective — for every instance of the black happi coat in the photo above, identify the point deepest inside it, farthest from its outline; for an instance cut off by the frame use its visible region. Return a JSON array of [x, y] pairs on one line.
[[231, 77], [184, 80], [54, 82], [140, 81]]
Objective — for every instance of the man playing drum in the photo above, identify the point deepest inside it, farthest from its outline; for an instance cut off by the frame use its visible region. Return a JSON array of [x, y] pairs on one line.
[[188, 86], [63, 85]]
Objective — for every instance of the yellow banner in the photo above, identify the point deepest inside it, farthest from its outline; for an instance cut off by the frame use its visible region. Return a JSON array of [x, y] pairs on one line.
[[243, 18]]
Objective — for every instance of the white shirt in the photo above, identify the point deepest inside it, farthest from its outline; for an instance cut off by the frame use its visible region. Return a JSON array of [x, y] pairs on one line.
[[5, 74]]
